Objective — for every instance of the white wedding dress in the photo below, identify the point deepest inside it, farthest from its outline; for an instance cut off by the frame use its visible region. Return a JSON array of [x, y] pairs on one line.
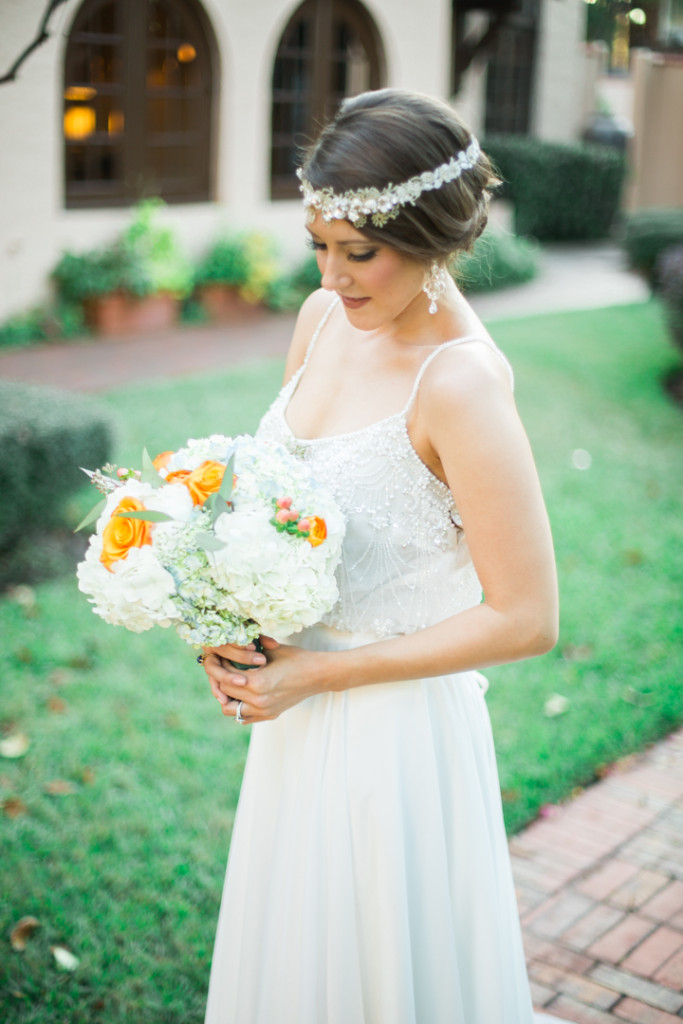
[[368, 880]]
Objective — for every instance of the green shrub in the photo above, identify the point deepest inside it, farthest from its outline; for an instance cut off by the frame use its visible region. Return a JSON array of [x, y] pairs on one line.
[[246, 261], [560, 192], [45, 436], [497, 260], [23, 329], [65, 320], [669, 276], [289, 290], [144, 260], [648, 233]]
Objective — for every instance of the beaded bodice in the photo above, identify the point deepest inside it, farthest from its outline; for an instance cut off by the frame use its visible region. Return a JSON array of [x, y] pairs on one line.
[[405, 562]]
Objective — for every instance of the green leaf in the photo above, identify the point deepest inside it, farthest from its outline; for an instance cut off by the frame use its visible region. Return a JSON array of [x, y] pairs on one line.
[[92, 515], [148, 515], [225, 489], [209, 541], [149, 474]]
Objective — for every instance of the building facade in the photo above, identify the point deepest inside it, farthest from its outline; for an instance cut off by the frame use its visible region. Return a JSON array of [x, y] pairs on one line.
[[205, 102]]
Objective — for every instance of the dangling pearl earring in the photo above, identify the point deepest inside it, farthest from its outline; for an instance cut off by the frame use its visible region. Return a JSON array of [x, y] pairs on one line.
[[435, 285]]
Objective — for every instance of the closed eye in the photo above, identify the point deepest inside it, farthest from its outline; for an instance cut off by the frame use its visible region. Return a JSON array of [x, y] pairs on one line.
[[355, 257]]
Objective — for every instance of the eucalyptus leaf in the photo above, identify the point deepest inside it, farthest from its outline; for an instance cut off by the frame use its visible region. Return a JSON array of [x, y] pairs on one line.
[[225, 489], [149, 474], [92, 514], [148, 515], [209, 542]]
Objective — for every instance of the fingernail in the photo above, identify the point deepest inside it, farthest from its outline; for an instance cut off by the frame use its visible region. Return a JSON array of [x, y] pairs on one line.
[[240, 680], [259, 660]]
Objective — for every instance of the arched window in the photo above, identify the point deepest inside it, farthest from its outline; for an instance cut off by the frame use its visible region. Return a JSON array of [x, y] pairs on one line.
[[330, 49], [138, 89]]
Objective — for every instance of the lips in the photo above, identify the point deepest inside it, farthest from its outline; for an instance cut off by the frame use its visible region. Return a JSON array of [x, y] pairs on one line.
[[353, 303]]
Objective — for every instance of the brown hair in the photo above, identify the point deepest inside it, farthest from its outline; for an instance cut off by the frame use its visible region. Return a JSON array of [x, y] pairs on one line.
[[387, 136]]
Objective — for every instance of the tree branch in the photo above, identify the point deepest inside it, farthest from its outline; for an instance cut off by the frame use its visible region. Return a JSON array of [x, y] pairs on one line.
[[41, 36]]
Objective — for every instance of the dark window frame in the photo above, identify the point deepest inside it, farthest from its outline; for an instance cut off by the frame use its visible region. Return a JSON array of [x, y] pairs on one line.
[[317, 98], [118, 166]]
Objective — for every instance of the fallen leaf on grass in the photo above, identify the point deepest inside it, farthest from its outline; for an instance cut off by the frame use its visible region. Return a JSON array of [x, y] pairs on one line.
[[59, 787], [13, 806], [24, 655], [64, 958], [25, 597], [57, 706], [22, 932], [60, 676], [14, 745], [556, 704]]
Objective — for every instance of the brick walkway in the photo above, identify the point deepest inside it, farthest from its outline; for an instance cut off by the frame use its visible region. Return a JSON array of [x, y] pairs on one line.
[[600, 892]]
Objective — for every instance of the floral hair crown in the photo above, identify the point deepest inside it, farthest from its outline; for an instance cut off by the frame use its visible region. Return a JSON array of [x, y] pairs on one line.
[[382, 205]]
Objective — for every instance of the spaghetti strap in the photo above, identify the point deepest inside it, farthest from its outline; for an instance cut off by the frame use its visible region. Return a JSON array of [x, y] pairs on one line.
[[451, 344], [316, 333]]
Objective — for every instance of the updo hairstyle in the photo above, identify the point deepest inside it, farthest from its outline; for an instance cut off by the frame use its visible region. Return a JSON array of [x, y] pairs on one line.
[[387, 136]]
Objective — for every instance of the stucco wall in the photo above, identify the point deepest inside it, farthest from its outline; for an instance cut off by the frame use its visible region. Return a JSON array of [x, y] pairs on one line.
[[560, 70], [657, 151], [34, 225]]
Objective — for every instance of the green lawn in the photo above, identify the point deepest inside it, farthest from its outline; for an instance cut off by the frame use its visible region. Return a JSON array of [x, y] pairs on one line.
[[126, 867]]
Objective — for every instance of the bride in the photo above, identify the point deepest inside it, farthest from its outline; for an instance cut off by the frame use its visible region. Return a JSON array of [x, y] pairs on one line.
[[368, 880]]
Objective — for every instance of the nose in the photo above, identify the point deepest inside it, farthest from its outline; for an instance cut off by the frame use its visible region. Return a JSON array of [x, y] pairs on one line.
[[335, 272]]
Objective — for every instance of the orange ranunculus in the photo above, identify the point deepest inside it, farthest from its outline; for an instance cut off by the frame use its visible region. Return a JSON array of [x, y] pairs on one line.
[[161, 460], [318, 531], [205, 480], [120, 535]]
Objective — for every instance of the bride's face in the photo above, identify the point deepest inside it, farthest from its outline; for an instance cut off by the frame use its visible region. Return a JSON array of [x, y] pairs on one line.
[[376, 284]]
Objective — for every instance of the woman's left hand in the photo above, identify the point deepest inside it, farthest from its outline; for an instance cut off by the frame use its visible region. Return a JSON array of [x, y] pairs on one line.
[[287, 677]]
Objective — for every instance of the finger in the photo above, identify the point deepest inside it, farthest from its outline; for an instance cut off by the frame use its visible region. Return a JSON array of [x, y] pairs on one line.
[[221, 697], [268, 643]]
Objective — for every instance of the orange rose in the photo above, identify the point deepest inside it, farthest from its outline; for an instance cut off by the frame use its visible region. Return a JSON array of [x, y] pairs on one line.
[[161, 460], [178, 476], [318, 531], [204, 480], [120, 535]]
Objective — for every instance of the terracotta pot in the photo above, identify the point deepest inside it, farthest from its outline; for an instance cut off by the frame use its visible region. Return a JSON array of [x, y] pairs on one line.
[[225, 305], [121, 313]]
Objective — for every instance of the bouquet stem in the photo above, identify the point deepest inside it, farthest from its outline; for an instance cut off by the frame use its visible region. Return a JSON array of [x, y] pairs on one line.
[[237, 664]]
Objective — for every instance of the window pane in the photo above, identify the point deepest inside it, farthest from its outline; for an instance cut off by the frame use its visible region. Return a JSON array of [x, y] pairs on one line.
[[349, 63], [120, 142]]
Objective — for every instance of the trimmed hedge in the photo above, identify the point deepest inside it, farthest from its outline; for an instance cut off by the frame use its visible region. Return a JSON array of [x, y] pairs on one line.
[[648, 234], [669, 272], [497, 260], [560, 192], [45, 436]]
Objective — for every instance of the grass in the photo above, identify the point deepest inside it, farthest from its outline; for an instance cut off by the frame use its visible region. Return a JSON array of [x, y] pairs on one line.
[[124, 863]]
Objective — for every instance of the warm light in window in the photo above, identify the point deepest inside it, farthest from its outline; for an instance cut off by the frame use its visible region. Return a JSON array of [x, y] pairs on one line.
[[79, 92], [79, 122], [115, 122], [638, 16], [186, 53]]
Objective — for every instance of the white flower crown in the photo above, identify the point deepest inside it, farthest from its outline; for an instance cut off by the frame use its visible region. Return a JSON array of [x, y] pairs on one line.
[[382, 205]]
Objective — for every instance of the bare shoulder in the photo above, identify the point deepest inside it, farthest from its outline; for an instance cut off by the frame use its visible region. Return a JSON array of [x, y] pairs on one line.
[[311, 313], [463, 376]]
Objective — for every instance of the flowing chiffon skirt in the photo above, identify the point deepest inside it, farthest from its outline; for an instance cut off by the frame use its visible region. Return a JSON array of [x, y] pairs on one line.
[[368, 880]]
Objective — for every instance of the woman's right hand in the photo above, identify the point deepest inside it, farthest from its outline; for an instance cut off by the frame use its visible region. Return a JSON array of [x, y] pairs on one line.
[[221, 660]]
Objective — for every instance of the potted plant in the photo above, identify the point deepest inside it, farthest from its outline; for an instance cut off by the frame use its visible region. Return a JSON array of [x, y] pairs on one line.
[[235, 275], [133, 285]]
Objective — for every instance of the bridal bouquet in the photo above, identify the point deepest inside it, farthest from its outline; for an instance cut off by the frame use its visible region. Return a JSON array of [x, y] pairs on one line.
[[224, 539]]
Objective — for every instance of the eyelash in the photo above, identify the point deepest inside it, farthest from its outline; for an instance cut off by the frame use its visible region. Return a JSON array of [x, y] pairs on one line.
[[354, 257]]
